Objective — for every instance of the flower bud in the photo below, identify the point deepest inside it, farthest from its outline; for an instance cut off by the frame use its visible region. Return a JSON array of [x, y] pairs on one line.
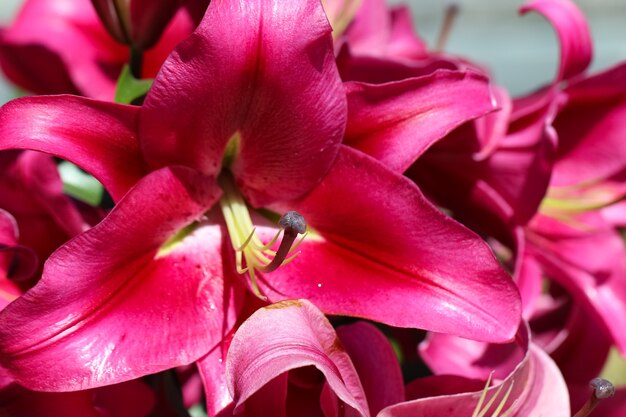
[[137, 23]]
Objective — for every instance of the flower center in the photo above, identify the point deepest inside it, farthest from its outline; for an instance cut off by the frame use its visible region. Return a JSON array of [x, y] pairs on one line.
[[251, 254]]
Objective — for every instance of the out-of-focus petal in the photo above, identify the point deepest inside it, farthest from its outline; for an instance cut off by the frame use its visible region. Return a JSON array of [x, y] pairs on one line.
[[572, 30]]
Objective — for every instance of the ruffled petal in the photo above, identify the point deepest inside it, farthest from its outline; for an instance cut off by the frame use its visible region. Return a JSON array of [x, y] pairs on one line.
[[279, 98], [285, 336], [99, 137], [115, 303]]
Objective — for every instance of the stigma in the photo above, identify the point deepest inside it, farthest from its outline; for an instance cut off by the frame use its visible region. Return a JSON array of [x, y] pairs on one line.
[[600, 390], [251, 254]]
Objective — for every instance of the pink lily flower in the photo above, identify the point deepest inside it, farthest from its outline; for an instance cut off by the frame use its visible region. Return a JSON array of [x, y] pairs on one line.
[[185, 169], [51, 32]]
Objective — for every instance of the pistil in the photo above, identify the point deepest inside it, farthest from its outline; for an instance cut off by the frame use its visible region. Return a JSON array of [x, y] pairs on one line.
[[452, 10], [251, 254], [602, 389]]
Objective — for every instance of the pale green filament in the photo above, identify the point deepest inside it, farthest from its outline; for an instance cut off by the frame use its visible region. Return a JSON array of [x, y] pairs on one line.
[[251, 254], [481, 411]]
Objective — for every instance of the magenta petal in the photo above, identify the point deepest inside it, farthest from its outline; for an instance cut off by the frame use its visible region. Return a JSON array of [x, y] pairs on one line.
[[38, 176], [591, 130], [280, 91], [212, 368], [384, 252], [376, 363], [129, 399], [99, 137], [110, 307], [396, 122], [285, 336], [573, 32], [591, 265]]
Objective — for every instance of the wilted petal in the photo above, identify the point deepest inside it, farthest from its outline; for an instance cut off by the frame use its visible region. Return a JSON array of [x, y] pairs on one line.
[[396, 122], [280, 92], [111, 307], [384, 252], [284, 336], [573, 32], [99, 137]]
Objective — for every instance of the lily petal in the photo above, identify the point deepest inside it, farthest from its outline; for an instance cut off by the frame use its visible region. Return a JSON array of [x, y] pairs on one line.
[[376, 363], [279, 98], [285, 336], [99, 137], [589, 264], [396, 122], [384, 252], [591, 129], [572, 30], [114, 304]]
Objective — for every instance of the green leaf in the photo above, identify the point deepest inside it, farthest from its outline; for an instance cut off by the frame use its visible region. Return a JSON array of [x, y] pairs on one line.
[[79, 184], [130, 88]]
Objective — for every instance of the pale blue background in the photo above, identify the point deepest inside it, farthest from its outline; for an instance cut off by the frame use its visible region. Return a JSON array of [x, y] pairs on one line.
[[520, 51]]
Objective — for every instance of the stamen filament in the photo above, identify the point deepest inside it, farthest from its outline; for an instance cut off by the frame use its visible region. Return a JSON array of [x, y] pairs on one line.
[[481, 411], [251, 254]]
